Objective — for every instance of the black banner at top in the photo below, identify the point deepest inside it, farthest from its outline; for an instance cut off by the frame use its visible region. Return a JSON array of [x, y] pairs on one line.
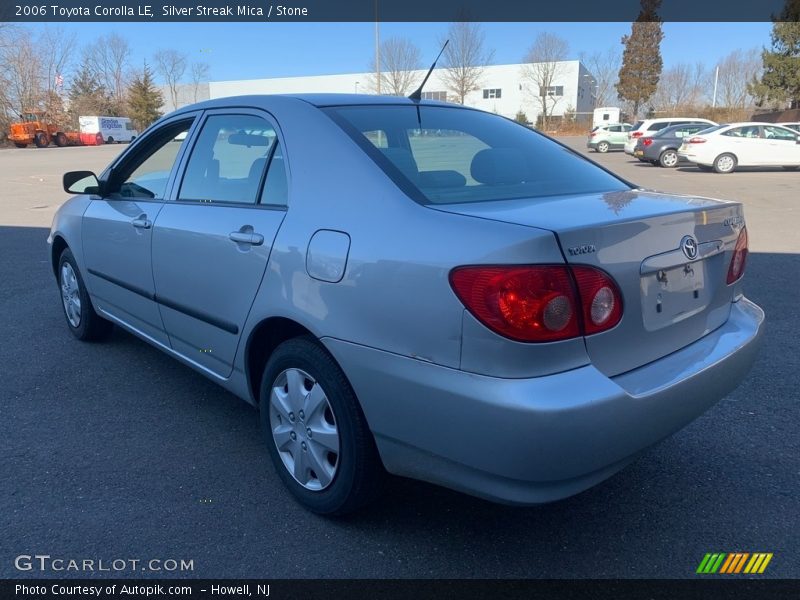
[[383, 10]]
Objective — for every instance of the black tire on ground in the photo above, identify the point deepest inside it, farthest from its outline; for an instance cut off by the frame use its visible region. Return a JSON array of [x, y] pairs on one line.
[[358, 469], [602, 147], [668, 159], [705, 168], [20, 145], [61, 140], [110, 140], [90, 326], [654, 163], [725, 163], [41, 140], [791, 167]]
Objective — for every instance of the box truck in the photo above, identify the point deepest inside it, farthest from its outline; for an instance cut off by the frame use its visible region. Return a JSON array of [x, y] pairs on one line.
[[106, 130]]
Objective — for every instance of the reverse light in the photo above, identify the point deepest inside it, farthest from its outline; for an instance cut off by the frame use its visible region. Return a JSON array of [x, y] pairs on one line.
[[739, 258], [539, 303]]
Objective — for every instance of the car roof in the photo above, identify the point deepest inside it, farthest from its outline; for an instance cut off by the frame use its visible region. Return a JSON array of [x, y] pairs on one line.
[[698, 119], [320, 100]]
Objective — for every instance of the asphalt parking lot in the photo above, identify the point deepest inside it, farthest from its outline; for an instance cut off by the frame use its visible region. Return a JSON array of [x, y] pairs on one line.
[[115, 451]]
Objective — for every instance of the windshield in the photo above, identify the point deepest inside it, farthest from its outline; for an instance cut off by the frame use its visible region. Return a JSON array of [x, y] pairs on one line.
[[443, 155]]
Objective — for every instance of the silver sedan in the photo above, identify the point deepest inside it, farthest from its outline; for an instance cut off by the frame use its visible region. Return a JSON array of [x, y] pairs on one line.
[[412, 287]]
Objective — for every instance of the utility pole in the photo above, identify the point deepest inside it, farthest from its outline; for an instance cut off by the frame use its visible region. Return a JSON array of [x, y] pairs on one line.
[[377, 49], [716, 78]]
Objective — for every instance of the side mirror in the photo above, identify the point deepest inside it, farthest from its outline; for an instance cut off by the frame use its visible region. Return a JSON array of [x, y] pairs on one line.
[[81, 182]]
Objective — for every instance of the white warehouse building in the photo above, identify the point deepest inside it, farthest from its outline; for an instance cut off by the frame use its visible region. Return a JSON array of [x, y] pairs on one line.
[[504, 89]]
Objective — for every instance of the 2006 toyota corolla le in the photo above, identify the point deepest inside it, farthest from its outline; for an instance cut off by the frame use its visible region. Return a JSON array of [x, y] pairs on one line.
[[412, 287]]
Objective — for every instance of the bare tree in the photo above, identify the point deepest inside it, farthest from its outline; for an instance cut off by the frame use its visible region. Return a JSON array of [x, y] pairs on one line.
[[199, 75], [681, 88], [171, 65], [465, 58], [21, 72], [109, 59], [56, 49], [604, 66], [542, 71], [400, 59], [736, 70]]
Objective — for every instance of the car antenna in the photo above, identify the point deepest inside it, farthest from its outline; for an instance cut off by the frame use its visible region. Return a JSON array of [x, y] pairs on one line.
[[416, 96]]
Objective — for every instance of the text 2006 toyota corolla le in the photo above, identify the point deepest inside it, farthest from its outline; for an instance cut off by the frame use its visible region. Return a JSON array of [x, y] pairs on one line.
[[412, 287]]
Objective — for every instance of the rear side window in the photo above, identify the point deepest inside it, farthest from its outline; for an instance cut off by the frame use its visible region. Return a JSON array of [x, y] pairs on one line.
[[443, 155], [659, 126], [229, 159]]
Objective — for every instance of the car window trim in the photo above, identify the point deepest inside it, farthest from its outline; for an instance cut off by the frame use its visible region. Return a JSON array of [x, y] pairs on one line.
[[235, 110]]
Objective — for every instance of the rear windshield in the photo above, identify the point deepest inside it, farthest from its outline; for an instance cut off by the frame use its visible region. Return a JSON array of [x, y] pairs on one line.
[[637, 125], [442, 155]]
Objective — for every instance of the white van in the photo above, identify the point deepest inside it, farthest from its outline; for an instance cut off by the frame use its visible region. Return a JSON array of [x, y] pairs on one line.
[[112, 129], [650, 127], [605, 115]]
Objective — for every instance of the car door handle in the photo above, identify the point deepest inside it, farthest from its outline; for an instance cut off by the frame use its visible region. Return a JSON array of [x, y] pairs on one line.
[[241, 237], [142, 222]]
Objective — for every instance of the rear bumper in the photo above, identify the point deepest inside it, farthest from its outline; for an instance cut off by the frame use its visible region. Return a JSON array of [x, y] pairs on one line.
[[527, 441]]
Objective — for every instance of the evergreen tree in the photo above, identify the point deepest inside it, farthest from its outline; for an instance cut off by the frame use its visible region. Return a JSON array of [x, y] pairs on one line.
[[641, 58], [87, 96], [144, 99], [780, 81]]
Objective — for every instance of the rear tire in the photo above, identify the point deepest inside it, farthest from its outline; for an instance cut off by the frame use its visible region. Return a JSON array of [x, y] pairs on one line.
[[339, 469], [602, 147], [41, 140], [110, 140], [61, 140], [82, 320], [668, 159], [725, 163]]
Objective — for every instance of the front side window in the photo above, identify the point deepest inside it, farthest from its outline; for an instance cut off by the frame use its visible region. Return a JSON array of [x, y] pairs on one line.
[[145, 174], [229, 160], [445, 155], [749, 132]]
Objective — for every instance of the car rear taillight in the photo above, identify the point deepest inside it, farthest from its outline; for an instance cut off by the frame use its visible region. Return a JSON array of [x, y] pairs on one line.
[[646, 141], [696, 140], [739, 258], [592, 134], [539, 303], [637, 134]]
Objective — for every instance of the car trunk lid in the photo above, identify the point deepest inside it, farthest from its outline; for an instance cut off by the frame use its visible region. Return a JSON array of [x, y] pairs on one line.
[[644, 240]]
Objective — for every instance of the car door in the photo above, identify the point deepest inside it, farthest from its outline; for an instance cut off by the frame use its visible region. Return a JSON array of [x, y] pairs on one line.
[[117, 228], [782, 146], [615, 136], [212, 241], [745, 143]]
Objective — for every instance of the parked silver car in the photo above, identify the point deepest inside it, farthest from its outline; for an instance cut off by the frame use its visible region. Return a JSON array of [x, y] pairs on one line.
[[412, 287]]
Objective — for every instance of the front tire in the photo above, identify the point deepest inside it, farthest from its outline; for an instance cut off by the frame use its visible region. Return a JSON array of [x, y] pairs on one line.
[[61, 140], [315, 430], [668, 159], [725, 163], [602, 147], [41, 140], [82, 320]]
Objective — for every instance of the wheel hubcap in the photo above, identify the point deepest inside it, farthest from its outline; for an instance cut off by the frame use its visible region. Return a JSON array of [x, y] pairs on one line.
[[304, 429], [725, 163], [70, 295], [670, 159]]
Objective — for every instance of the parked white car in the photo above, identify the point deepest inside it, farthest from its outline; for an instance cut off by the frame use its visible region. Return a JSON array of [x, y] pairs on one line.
[[726, 147], [650, 127]]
